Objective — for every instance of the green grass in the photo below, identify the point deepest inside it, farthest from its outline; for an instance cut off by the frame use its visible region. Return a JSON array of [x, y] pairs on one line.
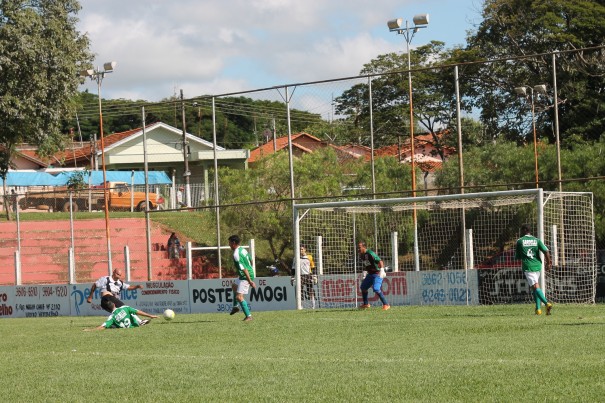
[[189, 224], [436, 354]]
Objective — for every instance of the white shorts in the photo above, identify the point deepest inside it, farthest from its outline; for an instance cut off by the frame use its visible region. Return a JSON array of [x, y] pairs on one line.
[[533, 277], [243, 286]]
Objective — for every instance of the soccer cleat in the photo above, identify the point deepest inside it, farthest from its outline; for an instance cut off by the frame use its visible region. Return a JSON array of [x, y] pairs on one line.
[[234, 310], [144, 322], [248, 319], [364, 306], [538, 312], [548, 308], [386, 307]]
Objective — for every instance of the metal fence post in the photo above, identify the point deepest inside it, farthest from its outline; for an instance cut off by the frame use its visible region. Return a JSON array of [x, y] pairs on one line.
[[17, 267], [127, 262], [71, 266], [189, 262]]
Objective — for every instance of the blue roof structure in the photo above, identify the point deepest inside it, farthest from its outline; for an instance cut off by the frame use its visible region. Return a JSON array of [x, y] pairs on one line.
[[16, 178]]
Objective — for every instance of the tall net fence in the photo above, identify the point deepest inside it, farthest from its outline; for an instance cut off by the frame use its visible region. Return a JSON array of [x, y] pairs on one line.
[[551, 98]]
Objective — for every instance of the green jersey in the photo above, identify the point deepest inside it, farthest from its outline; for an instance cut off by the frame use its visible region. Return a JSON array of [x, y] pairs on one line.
[[370, 261], [241, 258], [122, 318], [528, 250]]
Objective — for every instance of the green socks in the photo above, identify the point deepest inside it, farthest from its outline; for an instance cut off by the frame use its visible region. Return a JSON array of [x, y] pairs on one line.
[[245, 308], [539, 297], [536, 299]]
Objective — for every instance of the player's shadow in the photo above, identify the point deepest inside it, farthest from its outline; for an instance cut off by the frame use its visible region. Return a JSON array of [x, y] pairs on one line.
[[177, 322], [578, 324]]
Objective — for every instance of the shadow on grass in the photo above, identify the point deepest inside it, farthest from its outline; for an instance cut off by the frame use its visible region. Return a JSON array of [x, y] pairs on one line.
[[163, 323], [578, 323]]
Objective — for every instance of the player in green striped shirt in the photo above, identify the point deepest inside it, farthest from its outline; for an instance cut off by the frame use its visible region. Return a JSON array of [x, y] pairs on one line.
[[528, 250], [245, 279], [122, 317]]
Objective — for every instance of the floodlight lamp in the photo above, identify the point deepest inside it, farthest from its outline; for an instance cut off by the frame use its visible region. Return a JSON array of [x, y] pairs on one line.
[[421, 19], [87, 73], [521, 91], [395, 24], [540, 89], [109, 66]]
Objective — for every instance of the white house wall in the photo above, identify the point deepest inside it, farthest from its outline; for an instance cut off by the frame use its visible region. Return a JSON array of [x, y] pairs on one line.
[[164, 152], [131, 151]]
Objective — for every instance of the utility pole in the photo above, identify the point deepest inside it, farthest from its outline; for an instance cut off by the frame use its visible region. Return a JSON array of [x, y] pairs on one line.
[[186, 172]]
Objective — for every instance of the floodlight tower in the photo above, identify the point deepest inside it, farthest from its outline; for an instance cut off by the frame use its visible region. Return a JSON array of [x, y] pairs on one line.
[[98, 75], [395, 25]]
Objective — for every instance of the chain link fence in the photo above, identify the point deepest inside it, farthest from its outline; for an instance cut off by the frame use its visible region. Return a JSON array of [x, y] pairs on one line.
[[468, 122]]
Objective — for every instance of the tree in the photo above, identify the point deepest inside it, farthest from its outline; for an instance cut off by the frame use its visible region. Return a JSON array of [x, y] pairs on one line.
[[240, 122], [503, 164], [40, 56], [339, 131], [390, 176], [78, 180], [515, 28], [473, 134], [318, 174], [434, 98], [41, 53]]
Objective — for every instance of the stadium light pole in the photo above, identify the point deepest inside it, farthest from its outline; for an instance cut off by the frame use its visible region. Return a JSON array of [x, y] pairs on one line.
[[98, 75], [395, 25], [522, 92]]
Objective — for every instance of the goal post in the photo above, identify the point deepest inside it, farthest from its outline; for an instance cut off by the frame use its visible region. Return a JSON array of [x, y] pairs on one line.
[[465, 247]]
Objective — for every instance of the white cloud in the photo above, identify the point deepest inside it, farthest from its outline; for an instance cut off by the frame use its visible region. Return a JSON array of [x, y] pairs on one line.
[[332, 58], [209, 46]]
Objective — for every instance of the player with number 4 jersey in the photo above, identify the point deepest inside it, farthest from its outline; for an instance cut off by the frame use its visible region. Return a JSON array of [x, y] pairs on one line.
[[528, 250]]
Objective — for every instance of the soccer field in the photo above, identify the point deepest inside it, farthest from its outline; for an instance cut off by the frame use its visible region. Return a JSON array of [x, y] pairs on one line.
[[478, 353]]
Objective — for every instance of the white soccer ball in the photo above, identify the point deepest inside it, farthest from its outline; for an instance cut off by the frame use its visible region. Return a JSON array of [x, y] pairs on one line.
[[168, 314]]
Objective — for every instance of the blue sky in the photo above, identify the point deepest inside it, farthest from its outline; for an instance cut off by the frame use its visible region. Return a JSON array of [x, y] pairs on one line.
[[216, 47]]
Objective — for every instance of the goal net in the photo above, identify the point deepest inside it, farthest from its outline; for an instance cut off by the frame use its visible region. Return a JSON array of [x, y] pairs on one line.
[[446, 250]]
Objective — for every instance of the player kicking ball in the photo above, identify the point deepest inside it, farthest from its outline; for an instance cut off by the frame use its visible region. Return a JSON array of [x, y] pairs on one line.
[[245, 279]]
